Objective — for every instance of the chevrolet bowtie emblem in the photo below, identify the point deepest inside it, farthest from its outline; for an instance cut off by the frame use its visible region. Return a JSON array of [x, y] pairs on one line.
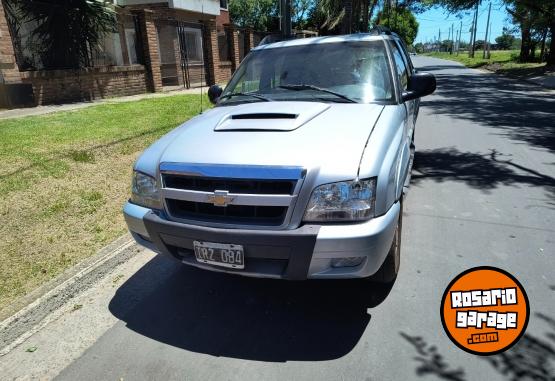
[[220, 198]]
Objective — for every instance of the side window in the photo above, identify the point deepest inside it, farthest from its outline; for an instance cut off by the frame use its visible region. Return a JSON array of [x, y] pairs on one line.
[[400, 66], [406, 55]]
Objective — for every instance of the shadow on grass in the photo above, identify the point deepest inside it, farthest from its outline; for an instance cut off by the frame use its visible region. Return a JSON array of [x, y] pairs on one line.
[[85, 155], [524, 72]]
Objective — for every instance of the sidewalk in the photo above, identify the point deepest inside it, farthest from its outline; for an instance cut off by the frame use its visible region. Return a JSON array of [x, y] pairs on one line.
[[41, 110]]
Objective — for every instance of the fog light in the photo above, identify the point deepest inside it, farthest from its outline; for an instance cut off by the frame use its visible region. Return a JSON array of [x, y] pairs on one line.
[[346, 262]]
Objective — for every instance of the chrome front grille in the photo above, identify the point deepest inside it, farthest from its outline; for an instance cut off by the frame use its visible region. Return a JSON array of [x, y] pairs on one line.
[[241, 186], [225, 195]]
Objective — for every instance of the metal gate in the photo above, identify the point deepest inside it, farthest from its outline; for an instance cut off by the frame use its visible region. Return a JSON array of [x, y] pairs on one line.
[[181, 53], [190, 37]]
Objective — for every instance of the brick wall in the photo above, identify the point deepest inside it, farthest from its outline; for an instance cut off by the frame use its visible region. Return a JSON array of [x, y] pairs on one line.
[[149, 38], [234, 45], [9, 71], [211, 53], [224, 71], [58, 86], [223, 18]]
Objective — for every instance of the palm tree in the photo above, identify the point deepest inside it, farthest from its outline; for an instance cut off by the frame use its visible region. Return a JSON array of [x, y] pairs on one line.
[[67, 32]]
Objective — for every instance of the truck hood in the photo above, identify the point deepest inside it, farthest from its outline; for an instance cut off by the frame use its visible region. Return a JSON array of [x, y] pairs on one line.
[[329, 138]]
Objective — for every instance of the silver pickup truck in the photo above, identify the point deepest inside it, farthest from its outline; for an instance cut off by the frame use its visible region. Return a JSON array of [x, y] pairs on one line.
[[298, 171]]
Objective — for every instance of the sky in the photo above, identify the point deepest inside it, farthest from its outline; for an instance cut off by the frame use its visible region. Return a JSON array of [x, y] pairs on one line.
[[438, 19]]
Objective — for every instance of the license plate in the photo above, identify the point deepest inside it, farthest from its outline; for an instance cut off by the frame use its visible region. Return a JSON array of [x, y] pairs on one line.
[[220, 254]]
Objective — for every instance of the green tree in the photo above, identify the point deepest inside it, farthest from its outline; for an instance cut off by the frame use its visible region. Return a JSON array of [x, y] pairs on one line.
[[400, 21], [535, 19], [67, 32], [445, 45], [419, 47], [505, 41], [262, 15], [300, 12], [543, 24]]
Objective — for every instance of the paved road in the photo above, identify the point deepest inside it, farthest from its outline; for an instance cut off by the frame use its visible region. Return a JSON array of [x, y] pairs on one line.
[[483, 193]]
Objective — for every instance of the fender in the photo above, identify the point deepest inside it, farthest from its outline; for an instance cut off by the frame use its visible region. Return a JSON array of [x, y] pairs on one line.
[[387, 157]]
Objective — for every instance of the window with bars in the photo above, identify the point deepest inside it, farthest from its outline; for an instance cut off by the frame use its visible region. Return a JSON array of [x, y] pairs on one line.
[[224, 45], [193, 43]]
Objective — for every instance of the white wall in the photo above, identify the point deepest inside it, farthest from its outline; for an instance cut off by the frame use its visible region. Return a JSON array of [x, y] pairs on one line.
[[209, 7]]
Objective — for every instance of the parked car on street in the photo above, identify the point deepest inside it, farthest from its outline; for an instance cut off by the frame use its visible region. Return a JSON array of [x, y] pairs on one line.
[[298, 172]]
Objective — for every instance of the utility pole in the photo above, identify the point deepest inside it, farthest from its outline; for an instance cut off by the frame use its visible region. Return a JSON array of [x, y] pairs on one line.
[[486, 40], [489, 46], [473, 34], [280, 16], [285, 18], [439, 41], [452, 38], [347, 22], [459, 42]]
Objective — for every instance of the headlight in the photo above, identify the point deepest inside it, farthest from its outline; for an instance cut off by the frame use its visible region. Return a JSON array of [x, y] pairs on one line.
[[343, 201], [144, 190]]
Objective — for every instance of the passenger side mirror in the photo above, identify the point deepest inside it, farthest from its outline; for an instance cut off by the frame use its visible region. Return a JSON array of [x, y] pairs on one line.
[[420, 85], [214, 93]]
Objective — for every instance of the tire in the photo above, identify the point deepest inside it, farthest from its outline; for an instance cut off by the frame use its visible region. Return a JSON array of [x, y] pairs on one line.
[[390, 267]]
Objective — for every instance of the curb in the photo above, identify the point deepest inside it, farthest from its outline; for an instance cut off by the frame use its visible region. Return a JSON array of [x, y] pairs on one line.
[[75, 106], [516, 78], [481, 69], [28, 315]]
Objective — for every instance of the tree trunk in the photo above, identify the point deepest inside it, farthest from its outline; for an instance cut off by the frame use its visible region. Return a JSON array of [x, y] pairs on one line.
[[551, 56], [542, 49], [347, 23], [364, 22], [526, 42]]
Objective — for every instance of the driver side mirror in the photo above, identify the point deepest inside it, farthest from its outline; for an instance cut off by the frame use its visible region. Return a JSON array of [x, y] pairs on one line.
[[214, 93], [420, 85]]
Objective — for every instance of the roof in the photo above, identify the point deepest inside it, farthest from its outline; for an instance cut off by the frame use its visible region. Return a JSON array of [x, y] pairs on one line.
[[324, 40]]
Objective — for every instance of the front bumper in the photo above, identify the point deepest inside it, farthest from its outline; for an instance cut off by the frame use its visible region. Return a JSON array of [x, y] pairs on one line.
[[306, 252]]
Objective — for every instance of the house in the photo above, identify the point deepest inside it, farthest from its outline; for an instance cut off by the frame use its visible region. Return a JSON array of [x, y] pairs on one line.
[[159, 44]]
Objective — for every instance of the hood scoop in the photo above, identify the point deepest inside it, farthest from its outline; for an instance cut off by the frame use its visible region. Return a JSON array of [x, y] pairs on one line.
[[266, 116]]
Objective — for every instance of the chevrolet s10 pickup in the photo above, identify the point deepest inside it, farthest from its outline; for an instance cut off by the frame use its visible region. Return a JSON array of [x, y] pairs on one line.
[[299, 170]]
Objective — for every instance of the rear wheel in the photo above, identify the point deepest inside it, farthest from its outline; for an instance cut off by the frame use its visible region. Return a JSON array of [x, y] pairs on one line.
[[390, 267]]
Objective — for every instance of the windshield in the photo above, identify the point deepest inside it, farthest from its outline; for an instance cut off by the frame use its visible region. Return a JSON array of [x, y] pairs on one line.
[[354, 71]]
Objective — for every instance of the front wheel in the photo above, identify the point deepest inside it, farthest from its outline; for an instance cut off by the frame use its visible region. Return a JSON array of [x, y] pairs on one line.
[[390, 267]]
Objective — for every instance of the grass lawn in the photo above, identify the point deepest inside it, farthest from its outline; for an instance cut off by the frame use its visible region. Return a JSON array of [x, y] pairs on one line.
[[501, 61], [64, 178]]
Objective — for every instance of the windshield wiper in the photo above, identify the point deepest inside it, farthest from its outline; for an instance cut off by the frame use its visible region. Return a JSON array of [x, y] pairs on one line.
[[316, 88], [254, 95]]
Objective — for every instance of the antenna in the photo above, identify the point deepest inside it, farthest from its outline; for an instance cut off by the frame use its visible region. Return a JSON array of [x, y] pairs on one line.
[[203, 60]]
